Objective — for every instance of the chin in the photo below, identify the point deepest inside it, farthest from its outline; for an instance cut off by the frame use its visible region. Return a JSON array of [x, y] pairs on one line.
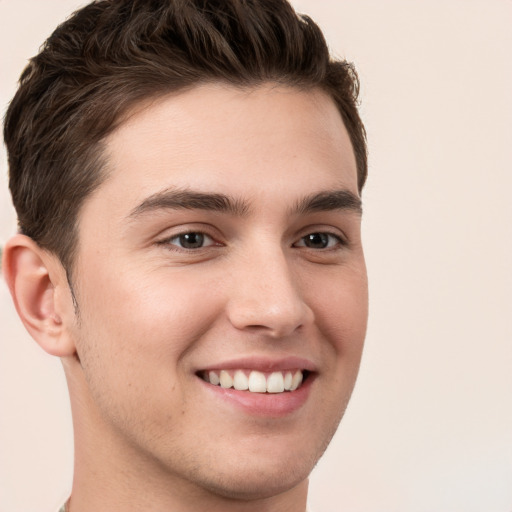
[[252, 479], [257, 486]]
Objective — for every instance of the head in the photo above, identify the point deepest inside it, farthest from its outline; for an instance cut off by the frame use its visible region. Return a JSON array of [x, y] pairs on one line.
[[188, 175]]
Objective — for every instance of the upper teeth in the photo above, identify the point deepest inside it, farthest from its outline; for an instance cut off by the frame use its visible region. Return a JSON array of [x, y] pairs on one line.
[[256, 382]]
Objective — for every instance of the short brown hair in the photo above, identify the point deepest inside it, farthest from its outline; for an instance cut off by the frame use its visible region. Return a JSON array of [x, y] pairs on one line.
[[112, 54]]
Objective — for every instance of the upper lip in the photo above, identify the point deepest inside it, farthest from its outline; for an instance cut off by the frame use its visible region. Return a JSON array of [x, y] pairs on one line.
[[263, 364]]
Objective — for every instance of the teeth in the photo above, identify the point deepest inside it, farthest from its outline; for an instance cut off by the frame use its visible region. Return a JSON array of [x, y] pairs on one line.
[[240, 381], [296, 381], [256, 382], [275, 383], [214, 378], [287, 381], [225, 379]]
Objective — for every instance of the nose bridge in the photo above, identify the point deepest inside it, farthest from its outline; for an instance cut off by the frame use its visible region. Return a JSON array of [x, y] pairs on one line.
[[266, 295]]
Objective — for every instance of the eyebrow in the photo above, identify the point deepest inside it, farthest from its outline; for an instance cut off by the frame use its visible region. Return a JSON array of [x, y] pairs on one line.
[[173, 199], [328, 201]]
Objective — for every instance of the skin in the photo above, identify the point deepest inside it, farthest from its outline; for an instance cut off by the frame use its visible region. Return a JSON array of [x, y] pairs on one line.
[[148, 433]]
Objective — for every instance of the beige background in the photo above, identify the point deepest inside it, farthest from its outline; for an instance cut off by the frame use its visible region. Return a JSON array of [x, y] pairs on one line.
[[430, 424]]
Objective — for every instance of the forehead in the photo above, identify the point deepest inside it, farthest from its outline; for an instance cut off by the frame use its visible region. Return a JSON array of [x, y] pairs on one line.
[[217, 137]]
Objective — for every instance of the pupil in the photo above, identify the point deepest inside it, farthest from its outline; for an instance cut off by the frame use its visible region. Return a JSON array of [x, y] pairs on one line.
[[192, 240], [317, 240]]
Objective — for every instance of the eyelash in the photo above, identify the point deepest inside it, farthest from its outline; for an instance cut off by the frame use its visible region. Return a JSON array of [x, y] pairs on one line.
[[181, 236], [333, 241]]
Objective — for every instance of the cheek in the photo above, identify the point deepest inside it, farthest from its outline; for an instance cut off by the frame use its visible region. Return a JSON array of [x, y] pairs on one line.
[[140, 326], [151, 306], [132, 341], [342, 312]]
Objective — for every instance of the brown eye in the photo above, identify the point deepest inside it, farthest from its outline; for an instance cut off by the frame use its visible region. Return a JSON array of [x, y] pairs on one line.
[[191, 240], [316, 241], [319, 241]]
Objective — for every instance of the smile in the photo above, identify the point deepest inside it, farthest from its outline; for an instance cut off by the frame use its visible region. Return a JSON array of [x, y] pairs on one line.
[[256, 381]]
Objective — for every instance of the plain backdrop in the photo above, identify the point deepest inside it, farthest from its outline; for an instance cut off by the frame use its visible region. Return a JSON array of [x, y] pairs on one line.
[[429, 427]]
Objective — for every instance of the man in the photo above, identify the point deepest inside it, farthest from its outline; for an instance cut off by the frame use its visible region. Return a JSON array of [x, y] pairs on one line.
[[187, 178]]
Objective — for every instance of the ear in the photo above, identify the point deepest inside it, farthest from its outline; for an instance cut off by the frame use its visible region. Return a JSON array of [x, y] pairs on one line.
[[40, 291]]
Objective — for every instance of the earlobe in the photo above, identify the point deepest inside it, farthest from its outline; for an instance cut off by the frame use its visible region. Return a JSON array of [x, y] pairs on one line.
[[33, 278]]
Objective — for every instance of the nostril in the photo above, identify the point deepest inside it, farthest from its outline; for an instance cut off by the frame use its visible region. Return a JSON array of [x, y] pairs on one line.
[[271, 302], [272, 323]]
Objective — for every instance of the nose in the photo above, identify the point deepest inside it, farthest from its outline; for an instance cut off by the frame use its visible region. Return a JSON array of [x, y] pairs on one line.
[[266, 296]]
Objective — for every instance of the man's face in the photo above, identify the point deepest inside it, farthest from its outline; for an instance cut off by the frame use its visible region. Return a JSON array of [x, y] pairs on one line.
[[225, 243]]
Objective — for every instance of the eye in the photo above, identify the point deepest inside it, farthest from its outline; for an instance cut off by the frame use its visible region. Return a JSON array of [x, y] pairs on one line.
[[191, 240], [319, 241]]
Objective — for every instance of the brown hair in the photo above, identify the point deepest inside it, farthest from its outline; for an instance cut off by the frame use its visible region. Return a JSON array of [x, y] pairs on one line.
[[113, 53]]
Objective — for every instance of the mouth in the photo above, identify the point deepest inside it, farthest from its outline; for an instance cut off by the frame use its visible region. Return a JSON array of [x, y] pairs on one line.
[[254, 381], [259, 386]]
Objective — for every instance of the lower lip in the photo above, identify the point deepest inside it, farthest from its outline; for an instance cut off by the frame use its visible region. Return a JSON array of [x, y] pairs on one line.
[[264, 404]]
